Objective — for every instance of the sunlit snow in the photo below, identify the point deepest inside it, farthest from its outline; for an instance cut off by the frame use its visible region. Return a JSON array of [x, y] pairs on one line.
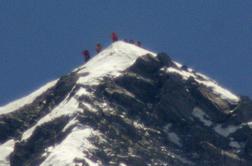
[[5, 150], [66, 107], [72, 148], [110, 62], [26, 100], [202, 79]]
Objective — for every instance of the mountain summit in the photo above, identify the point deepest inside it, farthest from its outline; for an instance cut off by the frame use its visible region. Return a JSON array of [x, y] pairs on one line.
[[128, 106]]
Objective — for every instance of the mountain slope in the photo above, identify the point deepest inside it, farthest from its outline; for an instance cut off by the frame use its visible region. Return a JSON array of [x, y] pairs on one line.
[[128, 106]]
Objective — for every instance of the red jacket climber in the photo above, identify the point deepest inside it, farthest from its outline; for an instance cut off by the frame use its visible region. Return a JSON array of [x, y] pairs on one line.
[[114, 37], [86, 55], [98, 47]]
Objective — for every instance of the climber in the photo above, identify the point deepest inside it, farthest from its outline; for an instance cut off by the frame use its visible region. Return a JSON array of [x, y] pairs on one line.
[[114, 37], [138, 43], [86, 55], [131, 41], [98, 48]]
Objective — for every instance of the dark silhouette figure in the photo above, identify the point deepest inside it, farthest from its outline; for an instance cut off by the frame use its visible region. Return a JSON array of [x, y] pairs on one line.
[[138, 43], [98, 48], [131, 41], [86, 55]]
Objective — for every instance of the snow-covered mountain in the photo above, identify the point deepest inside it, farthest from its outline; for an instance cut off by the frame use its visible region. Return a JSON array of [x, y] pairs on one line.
[[128, 106]]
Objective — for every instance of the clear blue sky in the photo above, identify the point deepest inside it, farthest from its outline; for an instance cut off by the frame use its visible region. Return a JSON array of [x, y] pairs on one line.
[[42, 40]]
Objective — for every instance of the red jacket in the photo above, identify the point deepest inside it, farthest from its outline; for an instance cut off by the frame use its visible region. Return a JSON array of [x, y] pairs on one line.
[[114, 37]]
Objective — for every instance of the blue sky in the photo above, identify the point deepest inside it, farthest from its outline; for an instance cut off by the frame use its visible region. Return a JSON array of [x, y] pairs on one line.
[[42, 40]]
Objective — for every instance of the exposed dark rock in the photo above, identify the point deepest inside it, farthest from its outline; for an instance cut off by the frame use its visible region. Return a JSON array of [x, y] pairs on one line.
[[29, 152], [244, 110], [13, 124], [149, 119]]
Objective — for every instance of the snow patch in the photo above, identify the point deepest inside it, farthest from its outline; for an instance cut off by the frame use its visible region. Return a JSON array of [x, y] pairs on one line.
[[72, 148], [172, 136], [226, 131], [184, 160], [66, 107], [185, 74], [181, 159], [26, 100], [5, 150], [202, 79], [73, 122], [118, 57], [177, 64], [249, 124], [83, 91], [141, 126], [234, 144], [90, 107], [198, 113]]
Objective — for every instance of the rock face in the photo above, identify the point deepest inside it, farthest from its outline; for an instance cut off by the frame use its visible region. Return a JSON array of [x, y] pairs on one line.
[[155, 112]]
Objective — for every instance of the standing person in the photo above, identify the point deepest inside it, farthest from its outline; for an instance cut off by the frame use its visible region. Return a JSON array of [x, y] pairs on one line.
[[138, 43], [114, 37], [131, 41], [86, 55], [98, 48]]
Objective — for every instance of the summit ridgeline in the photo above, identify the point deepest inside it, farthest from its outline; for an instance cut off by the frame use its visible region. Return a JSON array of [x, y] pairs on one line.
[[128, 106]]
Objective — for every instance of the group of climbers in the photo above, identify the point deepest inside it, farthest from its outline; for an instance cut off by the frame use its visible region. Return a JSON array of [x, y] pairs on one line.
[[137, 43], [98, 48]]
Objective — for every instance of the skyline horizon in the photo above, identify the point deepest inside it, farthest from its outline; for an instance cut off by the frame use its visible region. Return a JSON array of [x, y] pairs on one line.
[[42, 40], [106, 47]]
